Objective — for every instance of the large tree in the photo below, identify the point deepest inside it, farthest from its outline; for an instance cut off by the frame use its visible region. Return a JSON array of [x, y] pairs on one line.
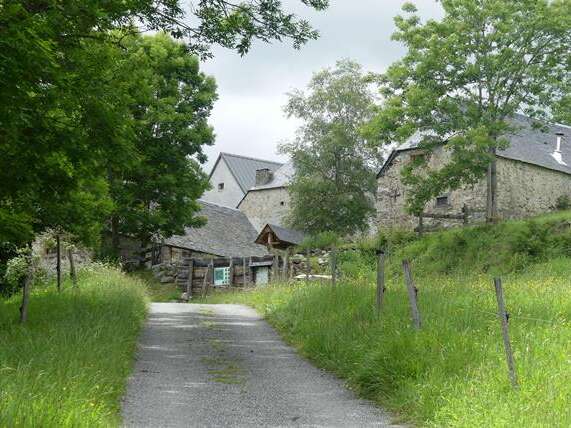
[[462, 79], [53, 122], [334, 181], [155, 190]]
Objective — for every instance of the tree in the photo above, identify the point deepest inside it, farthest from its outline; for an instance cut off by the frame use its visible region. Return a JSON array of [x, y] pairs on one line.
[[155, 192], [53, 122], [334, 181], [463, 78]]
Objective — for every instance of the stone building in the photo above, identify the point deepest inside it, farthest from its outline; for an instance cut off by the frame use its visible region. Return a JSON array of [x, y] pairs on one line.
[[232, 176], [268, 201], [534, 172]]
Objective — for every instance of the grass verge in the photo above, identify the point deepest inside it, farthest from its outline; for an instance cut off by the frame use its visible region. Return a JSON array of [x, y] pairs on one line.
[[157, 291], [68, 365]]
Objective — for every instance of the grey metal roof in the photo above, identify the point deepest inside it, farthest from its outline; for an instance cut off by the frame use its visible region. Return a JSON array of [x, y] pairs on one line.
[[227, 233], [527, 144], [244, 168], [287, 235], [281, 178]]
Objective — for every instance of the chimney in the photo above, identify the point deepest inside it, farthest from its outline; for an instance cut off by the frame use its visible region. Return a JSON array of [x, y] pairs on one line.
[[263, 176], [557, 153], [559, 140]]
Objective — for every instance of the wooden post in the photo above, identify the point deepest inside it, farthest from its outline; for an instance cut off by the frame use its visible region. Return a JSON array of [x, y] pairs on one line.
[[380, 280], [412, 294], [208, 276], [231, 273], [333, 261], [275, 269], [504, 318], [308, 265], [72, 273], [58, 262], [286, 266], [251, 279], [26, 293], [245, 278], [420, 225], [189, 280], [465, 217]]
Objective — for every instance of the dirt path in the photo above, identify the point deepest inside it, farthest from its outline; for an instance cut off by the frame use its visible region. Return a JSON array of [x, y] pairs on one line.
[[223, 366]]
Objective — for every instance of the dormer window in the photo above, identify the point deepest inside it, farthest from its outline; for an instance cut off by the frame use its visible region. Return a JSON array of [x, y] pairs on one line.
[[220, 187]]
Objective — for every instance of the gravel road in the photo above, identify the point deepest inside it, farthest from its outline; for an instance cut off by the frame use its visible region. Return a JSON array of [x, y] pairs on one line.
[[223, 366]]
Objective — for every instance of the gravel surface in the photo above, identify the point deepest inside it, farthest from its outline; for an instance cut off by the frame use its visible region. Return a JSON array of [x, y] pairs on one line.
[[223, 366]]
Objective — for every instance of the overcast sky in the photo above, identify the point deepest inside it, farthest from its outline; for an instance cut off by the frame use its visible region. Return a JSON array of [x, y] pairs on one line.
[[248, 117]]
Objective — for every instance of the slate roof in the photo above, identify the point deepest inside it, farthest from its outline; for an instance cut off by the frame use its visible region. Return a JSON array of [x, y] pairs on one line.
[[285, 235], [527, 144], [227, 233], [281, 178], [244, 168]]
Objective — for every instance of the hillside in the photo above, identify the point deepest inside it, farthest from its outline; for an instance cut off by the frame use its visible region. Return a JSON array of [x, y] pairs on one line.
[[453, 371]]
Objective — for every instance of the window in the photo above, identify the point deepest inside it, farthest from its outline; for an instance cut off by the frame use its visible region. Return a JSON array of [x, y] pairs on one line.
[[220, 186], [222, 276], [442, 201]]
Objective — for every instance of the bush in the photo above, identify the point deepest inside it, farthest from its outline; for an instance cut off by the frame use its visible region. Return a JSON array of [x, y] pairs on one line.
[[563, 203]]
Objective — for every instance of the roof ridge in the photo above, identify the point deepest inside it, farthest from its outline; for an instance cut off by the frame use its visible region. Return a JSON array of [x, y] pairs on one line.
[[250, 158], [218, 205]]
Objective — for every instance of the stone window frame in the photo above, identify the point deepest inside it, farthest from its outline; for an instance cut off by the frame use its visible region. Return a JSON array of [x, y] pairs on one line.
[[220, 187], [444, 196]]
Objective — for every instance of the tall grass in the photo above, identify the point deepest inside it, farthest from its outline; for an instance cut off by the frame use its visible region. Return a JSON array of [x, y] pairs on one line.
[[68, 365], [453, 371]]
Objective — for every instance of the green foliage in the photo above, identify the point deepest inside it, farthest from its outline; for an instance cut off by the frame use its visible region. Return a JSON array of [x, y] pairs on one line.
[[464, 77], [74, 354], [563, 203], [323, 240], [155, 192], [503, 248], [334, 181], [82, 92]]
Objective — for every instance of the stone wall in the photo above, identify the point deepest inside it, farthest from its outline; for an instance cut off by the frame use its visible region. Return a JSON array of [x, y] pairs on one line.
[[523, 190], [266, 206]]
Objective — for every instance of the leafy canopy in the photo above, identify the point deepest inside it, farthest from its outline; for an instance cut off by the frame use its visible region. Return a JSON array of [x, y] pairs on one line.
[[464, 77], [334, 181]]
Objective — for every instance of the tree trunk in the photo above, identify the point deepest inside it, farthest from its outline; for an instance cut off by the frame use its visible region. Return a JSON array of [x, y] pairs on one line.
[[492, 189]]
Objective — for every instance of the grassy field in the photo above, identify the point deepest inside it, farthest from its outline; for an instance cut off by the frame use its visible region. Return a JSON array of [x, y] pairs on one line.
[[68, 366], [452, 372]]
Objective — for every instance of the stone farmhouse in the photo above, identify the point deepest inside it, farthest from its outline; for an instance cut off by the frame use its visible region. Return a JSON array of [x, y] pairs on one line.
[[533, 173], [232, 176], [268, 201]]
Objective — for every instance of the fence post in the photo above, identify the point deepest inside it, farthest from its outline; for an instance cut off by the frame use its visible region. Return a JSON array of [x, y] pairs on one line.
[[307, 265], [412, 294], [333, 260], [465, 214], [26, 293], [420, 225], [245, 279], [72, 273], [504, 318], [189, 280], [58, 262], [231, 273], [380, 280]]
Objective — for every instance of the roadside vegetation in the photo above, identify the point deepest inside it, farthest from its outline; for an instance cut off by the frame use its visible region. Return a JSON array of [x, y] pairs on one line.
[[67, 366], [453, 371], [157, 291]]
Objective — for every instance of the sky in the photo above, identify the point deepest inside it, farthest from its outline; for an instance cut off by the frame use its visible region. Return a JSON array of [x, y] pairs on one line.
[[248, 117]]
